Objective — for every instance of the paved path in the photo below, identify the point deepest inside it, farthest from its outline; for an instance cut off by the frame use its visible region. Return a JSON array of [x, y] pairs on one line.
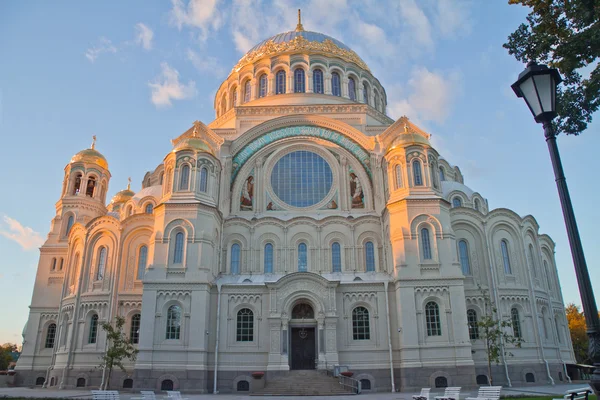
[[557, 390]]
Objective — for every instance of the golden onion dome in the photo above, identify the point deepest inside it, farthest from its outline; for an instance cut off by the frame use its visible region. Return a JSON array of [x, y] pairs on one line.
[[193, 143], [122, 196], [91, 155], [410, 138]]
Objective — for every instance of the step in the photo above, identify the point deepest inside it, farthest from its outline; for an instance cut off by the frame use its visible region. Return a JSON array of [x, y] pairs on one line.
[[303, 383]]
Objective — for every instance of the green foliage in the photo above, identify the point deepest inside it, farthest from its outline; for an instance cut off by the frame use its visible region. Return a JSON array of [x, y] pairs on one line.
[[496, 332], [5, 355], [119, 348], [564, 35]]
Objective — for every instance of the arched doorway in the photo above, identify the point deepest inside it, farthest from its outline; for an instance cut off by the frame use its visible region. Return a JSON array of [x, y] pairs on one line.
[[303, 337]]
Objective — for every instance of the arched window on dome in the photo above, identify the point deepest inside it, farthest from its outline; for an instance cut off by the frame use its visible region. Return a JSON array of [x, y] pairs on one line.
[[417, 176], [299, 85], [336, 87], [91, 185], [365, 93], [142, 261], [263, 83], [178, 253], [223, 104], [203, 179], [505, 257], [463, 253], [280, 82], [352, 89], [247, 91], [302, 258], [369, 257], [234, 97], [336, 257], [318, 81], [101, 266], [70, 223], [61, 264], [477, 205], [425, 244], [456, 202], [235, 259], [184, 181], [442, 175], [376, 100], [149, 208], [76, 184], [398, 177], [268, 258]]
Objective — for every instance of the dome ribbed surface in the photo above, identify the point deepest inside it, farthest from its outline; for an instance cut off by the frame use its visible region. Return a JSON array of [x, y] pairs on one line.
[[291, 35]]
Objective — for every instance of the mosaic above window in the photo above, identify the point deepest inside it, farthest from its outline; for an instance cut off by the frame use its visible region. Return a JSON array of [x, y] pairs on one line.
[[301, 178]]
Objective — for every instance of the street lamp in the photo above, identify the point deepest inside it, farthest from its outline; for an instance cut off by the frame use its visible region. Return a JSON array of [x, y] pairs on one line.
[[537, 85]]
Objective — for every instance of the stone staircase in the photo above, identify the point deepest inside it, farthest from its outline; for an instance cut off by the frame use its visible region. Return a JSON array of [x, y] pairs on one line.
[[303, 383]]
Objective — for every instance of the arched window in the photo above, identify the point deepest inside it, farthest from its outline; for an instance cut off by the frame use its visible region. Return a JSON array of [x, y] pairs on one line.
[[476, 205], [77, 184], [516, 322], [548, 278], [299, 80], [441, 382], [134, 331], [101, 263], [70, 222], [318, 81], [268, 258], [529, 377], [128, 383], [473, 324], [365, 384], [235, 259], [173, 322], [62, 261], [369, 257], [50, 336], [482, 379], [263, 83], [425, 244], [432, 319], [243, 386], [442, 175], [80, 382], [223, 105], [280, 82], [93, 332], [398, 180], [336, 257], [142, 261], [376, 101], [360, 324], [40, 381], [456, 202], [532, 261], [463, 252], [245, 325], [365, 93], [247, 91], [352, 89], [149, 208], [234, 96], [161, 178], [505, 257], [417, 176], [336, 88], [184, 182], [302, 258], [91, 185], [167, 385], [178, 253], [53, 264], [203, 179]]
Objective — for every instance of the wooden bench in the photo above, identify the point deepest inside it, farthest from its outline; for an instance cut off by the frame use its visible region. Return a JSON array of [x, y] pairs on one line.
[[174, 395], [424, 395], [487, 393], [576, 394], [105, 395], [450, 393]]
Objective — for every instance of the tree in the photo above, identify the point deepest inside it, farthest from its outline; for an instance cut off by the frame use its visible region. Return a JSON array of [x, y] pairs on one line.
[[6, 357], [565, 35], [577, 328], [118, 348], [495, 331]]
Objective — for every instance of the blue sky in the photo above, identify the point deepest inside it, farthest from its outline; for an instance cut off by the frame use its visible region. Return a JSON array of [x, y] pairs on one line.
[[138, 73]]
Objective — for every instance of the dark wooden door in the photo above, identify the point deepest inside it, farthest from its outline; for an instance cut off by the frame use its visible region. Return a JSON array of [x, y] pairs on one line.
[[303, 348]]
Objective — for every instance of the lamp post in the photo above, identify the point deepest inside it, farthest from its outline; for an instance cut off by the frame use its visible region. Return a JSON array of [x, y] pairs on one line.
[[537, 85]]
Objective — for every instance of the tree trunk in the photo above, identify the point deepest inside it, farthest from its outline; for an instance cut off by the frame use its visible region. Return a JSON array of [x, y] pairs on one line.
[[490, 379], [108, 378]]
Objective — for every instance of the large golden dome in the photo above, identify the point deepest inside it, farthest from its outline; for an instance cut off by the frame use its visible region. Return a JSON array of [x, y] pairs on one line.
[[122, 196], [91, 155]]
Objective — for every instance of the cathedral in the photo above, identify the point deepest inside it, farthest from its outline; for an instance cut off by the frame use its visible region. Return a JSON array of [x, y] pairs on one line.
[[301, 229]]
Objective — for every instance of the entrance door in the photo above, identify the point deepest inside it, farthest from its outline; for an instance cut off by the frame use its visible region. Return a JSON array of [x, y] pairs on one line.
[[303, 348]]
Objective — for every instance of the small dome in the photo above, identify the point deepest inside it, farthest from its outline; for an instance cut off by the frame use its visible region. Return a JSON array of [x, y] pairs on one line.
[[122, 196], [409, 138], [193, 143], [90, 156]]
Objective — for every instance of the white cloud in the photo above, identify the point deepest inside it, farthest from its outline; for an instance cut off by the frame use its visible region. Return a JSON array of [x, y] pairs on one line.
[[201, 14], [420, 27], [143, 36], [431, 96], [23, 235], [166, 87], [105, 46], [452, 17], [206, 64]]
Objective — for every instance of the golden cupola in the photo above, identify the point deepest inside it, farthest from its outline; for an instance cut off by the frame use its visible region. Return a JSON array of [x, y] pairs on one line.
[[91, 156]]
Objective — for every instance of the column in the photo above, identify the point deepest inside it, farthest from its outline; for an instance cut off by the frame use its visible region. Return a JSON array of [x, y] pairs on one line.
[[290, 82], [271, 84], [327, 83], [345, 88], [253, 95], [309, 82]]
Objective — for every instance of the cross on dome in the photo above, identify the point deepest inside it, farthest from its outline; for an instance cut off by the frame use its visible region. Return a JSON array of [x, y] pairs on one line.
[[299, 27], [93, 142]]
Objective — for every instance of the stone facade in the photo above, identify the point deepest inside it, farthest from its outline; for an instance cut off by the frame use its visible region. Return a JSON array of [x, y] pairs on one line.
[[301, 228]]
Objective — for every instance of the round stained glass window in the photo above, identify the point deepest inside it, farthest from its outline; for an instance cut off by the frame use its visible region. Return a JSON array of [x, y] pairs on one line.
[[301, 178]]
